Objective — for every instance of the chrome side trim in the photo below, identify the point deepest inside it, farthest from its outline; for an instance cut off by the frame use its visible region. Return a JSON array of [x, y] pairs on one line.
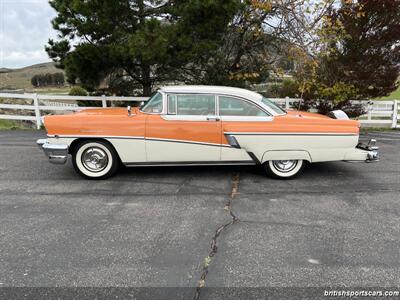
[[192, 118], [95, 136], [246, 118], [254, 158], [187, 142], [232, 141], [141, 138], [189, 163], [292, 133]]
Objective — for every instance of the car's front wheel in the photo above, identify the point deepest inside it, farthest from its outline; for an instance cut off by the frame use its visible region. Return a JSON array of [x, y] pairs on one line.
[[284, 169], [95, 159]]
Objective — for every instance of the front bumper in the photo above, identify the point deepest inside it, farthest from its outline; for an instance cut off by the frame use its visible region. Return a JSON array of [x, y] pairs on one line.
[[56, 153]]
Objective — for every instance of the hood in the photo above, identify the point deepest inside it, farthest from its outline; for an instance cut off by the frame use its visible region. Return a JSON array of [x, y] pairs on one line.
[[88, 120], [111, 111]]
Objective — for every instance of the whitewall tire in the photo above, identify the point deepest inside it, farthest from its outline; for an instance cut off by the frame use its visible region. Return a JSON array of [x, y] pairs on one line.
[[284, 169], [95, 159]]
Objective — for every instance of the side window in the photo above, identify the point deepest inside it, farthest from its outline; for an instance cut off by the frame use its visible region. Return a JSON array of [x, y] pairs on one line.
[[230, 106], [154, 105], [172, 104], [199, 105]]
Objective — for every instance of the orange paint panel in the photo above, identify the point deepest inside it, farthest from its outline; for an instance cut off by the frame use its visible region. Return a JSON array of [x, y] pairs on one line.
[[296, 123], [97, 122], [197, 131]]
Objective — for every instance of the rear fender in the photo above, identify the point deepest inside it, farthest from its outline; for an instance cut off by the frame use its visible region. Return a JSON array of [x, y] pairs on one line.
[[286, 155]]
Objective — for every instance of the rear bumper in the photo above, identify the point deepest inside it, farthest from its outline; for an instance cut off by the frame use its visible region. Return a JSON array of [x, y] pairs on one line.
[[56, 153], [364, 153], [372, 150]]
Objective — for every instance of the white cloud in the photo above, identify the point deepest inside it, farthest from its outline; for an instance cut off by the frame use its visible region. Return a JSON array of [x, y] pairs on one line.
[[24, 30]]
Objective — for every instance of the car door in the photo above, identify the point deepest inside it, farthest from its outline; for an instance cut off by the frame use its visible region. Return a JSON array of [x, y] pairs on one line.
[[187, 132]]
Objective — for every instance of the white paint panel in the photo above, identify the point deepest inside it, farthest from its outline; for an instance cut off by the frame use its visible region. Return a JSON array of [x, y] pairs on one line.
[[163, 151], [130, 150], [320, 148], [356, 154], [234, 154]]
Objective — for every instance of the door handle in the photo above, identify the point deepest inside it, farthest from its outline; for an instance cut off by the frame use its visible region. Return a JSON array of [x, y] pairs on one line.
[[215, 119]]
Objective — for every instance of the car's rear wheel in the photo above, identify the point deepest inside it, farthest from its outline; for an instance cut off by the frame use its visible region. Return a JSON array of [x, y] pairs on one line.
[[95, 159], [284, 169]]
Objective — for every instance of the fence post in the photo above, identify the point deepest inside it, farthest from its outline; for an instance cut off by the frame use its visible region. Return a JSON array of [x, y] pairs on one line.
[[369, 110], [37, 111], [287, 104], [394, 116], [103, 100]]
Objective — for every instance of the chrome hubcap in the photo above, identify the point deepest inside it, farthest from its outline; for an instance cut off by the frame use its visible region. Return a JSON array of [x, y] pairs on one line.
[[284, 165], [95, 159]]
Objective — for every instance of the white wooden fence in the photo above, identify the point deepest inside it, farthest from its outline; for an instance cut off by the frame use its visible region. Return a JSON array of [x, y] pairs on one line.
[[42, 103], [379, 113]]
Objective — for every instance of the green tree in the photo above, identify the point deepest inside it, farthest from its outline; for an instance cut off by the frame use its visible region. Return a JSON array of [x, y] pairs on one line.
[[368, 54], [35, 80], [136, 43], [48, 79], [58, 79], [355, 55]]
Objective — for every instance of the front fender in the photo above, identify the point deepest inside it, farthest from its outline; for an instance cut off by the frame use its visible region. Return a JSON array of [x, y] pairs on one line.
[[286, 155]]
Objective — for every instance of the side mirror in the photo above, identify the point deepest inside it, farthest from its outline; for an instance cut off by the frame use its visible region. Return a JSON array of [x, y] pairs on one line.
[[129, 109]]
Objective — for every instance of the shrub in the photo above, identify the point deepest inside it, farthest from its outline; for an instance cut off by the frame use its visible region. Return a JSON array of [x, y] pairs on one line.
[[80, 91], [77, 91]]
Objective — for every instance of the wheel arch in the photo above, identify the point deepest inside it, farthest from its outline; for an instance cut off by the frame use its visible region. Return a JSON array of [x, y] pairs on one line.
[[286, 155], [76, 142]]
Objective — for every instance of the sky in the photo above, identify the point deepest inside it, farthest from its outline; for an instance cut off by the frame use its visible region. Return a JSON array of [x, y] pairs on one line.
[[24, 31]]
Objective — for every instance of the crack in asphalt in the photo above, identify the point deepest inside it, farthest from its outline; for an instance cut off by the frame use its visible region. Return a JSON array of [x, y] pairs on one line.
[[214, 240]]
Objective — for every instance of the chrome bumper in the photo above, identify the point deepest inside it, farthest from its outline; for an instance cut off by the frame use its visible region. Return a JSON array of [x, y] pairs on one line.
[[372, 150], [56, 153]]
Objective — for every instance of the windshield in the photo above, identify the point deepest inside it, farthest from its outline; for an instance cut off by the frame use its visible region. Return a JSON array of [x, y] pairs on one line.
[[273, 106], [154, 104]]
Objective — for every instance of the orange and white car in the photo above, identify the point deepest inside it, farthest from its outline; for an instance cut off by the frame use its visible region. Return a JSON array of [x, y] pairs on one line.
[[202, 125]]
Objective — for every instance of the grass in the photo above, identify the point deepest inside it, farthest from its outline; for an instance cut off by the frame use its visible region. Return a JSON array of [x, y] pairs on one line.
[[393, 96], [50, 90], [13, 125]]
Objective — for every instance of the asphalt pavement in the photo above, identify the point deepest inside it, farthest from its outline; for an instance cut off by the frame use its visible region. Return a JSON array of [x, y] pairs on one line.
[[338, 224]]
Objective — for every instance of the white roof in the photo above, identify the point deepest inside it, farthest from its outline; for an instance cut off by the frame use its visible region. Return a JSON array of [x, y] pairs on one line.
[[222, 90]]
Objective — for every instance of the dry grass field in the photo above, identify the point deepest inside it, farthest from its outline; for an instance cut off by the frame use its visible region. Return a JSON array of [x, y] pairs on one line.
[[21, 78]]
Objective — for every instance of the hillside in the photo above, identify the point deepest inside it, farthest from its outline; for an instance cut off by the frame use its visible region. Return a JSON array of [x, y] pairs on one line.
[[21, 78]]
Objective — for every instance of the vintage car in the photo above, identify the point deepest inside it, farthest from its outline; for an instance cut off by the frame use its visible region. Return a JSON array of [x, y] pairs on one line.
[[202, 125]]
